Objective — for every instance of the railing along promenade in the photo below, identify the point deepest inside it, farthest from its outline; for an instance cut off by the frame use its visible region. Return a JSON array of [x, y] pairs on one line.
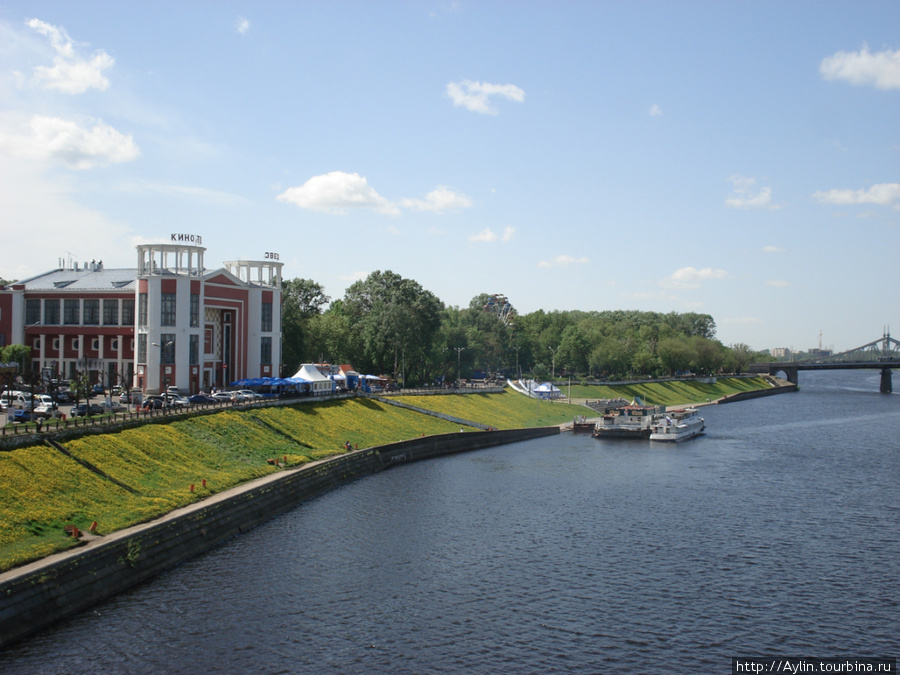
[[17, 433]]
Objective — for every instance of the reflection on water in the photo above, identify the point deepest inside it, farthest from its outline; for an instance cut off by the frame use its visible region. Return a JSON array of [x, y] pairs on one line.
[[775, 533]]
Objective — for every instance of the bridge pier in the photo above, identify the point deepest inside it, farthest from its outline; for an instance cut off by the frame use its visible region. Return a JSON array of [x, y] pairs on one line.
[[791, 372], [886, 384]]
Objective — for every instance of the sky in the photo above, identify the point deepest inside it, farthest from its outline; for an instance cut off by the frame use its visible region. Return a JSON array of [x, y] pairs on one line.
[[738, 159]]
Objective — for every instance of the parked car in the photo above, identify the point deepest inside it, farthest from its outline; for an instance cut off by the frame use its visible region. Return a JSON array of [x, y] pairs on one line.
[[81, 410], [21, 416], [97, 390], [112, 407], [223, 397], [153, 403], [249, 394], [177, 401], [44, 411], [201, 398]]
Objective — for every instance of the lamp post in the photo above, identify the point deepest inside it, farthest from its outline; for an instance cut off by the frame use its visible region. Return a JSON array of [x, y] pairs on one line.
[[458, 350], [553, 362]]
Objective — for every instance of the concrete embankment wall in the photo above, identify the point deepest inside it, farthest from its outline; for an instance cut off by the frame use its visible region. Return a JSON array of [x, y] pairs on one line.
[[35, 596], [747, 395]]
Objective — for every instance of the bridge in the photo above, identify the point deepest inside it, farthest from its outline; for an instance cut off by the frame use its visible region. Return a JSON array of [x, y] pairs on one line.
[[882, 354]]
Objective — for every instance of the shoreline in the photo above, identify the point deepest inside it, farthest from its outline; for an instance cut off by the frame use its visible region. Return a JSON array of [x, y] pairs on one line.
[[38, 594]]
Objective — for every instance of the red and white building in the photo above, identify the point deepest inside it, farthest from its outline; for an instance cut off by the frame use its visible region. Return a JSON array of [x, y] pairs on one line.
[[168, 322]]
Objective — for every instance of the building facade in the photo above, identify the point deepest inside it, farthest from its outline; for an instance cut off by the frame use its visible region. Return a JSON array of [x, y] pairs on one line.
[[167, 322]]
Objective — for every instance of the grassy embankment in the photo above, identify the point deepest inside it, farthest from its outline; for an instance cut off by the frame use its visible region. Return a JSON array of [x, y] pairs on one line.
[[41, 490]]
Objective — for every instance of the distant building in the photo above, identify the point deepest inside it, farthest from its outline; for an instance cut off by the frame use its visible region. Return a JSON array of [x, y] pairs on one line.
[[167, 322], [780, 352]]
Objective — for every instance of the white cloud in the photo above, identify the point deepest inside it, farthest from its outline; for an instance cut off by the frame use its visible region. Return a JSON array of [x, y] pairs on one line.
[[655, 110], [339, 191], [772, 249], [777, 283], [485, 236], [691, 277], [336, 192], [242, 25], [438, 200], [508, 234], [745, 195], [881, 69], [563, 260], [475, 96], [883, 194], [70, 73], [65, 141]]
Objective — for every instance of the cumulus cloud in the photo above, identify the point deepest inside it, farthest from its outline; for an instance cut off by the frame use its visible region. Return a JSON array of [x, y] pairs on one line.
[[745, 194], [879, 69], [563, 260], [476, 96], [337, 192], [438, 200], [70, 73], [485, 236], [655, 111], [882, 194], [65, 141], [691, 277], [241, 25]]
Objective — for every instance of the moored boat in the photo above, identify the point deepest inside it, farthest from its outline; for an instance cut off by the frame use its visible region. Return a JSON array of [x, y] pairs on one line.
[[581, 425], [629, 421], [677, 426]]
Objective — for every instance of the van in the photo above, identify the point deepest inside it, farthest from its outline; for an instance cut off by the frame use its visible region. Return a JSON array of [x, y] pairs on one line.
[[16, 400]]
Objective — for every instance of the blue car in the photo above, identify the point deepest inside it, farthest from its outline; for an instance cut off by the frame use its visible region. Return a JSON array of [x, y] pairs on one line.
[[201, 398]]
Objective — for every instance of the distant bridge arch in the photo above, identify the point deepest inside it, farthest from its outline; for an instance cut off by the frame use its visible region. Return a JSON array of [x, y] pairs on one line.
[[882, 354]]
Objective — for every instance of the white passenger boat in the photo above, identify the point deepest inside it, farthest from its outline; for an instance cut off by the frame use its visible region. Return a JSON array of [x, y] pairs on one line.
[[677, 426]]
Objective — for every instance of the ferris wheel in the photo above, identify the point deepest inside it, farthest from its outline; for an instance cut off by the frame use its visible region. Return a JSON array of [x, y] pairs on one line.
[[499, 306]]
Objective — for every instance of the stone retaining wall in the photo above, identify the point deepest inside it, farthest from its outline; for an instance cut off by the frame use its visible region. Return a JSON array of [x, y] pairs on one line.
[[36, 595]]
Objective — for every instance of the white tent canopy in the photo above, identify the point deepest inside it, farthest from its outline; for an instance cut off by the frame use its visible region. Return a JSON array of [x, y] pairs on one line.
[[319, 384]]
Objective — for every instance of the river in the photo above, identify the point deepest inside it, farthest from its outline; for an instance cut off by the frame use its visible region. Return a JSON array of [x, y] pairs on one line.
[[776, 533]]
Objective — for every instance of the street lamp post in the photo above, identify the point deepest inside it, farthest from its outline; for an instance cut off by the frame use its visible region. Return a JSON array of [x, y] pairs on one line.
[[553, 362], [458, 350]]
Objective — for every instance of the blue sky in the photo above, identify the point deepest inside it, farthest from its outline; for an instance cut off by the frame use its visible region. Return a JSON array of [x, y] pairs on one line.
[[737, 159]]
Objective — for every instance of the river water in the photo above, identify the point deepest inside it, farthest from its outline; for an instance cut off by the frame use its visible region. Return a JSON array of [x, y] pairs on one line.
[[776, 533]]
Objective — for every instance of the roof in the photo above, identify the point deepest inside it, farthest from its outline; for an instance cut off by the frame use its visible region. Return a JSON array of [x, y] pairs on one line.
[[83, 280]]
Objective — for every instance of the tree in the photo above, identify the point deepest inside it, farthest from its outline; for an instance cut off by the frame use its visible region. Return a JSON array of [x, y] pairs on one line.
[[397, 321], [301, 301]]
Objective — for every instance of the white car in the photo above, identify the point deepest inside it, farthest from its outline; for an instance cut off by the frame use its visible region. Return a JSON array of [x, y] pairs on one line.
[[249, 394]]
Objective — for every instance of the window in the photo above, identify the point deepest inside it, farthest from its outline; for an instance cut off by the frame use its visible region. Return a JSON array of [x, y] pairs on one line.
[[37, 343], [167, 315], [110, 312], [128, 312], [267, 317], [142, 309], [51, 312], [70, 312], [95, 345], [91, 312], [194, 350], [265, 351], [142, 348], [167, 349], [76, 344], [32, 312], [114, 345], [56, 344], [195, 310]]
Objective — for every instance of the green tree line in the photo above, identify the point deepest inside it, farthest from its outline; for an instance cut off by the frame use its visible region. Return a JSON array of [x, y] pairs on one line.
[[389, 325]]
